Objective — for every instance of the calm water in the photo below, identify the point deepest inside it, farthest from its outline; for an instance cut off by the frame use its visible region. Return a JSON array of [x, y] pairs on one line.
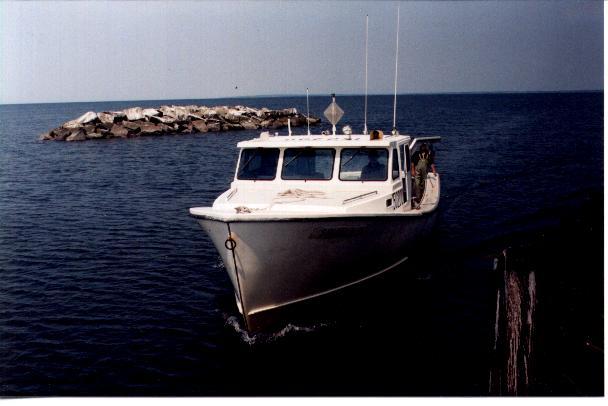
[[108, 287]]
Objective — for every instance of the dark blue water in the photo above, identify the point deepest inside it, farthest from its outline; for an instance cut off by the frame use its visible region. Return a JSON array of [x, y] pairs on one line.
[[108, 287]]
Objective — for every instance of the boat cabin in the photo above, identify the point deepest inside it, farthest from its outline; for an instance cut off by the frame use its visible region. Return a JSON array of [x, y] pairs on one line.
[[324, 172], [319, 159]]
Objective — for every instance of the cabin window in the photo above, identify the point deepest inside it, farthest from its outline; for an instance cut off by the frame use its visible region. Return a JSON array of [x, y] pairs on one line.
[[258, 164], [308, 163], [364, 164], [395, 164]]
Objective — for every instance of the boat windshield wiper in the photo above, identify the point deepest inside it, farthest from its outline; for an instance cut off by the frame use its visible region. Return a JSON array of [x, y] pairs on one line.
[[295, 157], [352, 157], [255, 153]]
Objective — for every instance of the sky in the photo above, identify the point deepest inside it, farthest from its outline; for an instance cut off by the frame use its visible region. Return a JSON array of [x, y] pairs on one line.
[[153, 50]]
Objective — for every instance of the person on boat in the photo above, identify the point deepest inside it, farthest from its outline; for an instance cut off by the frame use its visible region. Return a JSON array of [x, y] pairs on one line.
[[374, 170], [421, 161]]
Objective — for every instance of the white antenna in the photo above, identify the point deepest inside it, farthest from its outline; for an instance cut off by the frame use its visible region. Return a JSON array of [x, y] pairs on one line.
[[396, 65], [307, 113], [365, 114]]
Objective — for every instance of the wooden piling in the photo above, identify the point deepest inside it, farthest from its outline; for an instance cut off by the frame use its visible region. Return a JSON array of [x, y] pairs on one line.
[[511, 371]]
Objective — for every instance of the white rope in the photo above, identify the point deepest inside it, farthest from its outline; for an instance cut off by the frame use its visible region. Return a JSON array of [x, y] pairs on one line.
[[299, 194]]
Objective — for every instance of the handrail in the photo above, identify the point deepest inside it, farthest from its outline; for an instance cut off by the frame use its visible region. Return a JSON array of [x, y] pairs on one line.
[[431, 139], [375, 192]]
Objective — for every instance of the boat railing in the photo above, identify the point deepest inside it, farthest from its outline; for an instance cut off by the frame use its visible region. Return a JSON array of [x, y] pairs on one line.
[[231, 194]]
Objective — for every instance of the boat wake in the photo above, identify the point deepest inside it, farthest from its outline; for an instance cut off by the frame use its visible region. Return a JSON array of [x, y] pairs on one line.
[[289, 330]]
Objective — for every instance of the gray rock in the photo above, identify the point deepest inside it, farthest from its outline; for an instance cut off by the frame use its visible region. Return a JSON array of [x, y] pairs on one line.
[[210, 113], [119, 131], [105, 126], [231, 127], [61, 133], [133, 125], [106, 118], [71, 125], [221, 110], [298, 120], [249, 125], [119, 115], [134, 113], [181, 113], [150, 112], [45, 137], [168, 111], [166, 128], [200, 126], [149, 128], [163, 119], [234, 117], [252, 112], [78, 135], [174, 119], [95, 135], [84, 119], [89, 129], [185, 128], [279, 123], [213, 125]]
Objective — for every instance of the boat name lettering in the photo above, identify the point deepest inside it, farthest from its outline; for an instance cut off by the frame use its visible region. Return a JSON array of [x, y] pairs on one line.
[[335, 232]]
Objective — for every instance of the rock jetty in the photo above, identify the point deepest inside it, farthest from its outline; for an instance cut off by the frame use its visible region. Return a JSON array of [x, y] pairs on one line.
[[137, 121]]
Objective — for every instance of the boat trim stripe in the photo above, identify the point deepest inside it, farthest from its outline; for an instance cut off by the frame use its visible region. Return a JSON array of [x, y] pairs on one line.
[[263, 309]]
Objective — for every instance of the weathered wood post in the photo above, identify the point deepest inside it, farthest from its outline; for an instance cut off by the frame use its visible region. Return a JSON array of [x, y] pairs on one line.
[[512, 358]]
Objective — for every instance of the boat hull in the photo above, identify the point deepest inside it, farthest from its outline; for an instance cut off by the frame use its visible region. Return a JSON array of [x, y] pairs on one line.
[[276, 263]]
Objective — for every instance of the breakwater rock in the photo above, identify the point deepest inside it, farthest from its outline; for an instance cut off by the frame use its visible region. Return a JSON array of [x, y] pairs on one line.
[[137, 121]]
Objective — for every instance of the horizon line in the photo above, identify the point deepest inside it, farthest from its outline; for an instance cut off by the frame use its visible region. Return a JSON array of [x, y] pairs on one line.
[[258, 96]]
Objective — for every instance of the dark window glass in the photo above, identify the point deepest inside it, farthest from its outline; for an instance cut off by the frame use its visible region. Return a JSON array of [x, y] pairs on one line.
[[364, 164], [406, 153], [308, 164], [395, 164], [258, 164]]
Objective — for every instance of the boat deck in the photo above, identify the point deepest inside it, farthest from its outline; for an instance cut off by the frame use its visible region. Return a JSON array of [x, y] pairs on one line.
[[308, 203]]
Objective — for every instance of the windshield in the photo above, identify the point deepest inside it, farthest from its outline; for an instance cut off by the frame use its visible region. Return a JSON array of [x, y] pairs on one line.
[[364, 164], [258, 164], [308, 164]]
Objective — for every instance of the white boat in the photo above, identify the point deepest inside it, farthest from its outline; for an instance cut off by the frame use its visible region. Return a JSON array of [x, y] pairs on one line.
[[308, 215], [305, 215]]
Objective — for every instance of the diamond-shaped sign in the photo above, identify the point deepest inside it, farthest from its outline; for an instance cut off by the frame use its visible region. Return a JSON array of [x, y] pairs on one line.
[[333, 113]]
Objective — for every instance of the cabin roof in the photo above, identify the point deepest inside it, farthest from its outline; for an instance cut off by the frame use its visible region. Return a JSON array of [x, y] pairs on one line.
[[338, 140]]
